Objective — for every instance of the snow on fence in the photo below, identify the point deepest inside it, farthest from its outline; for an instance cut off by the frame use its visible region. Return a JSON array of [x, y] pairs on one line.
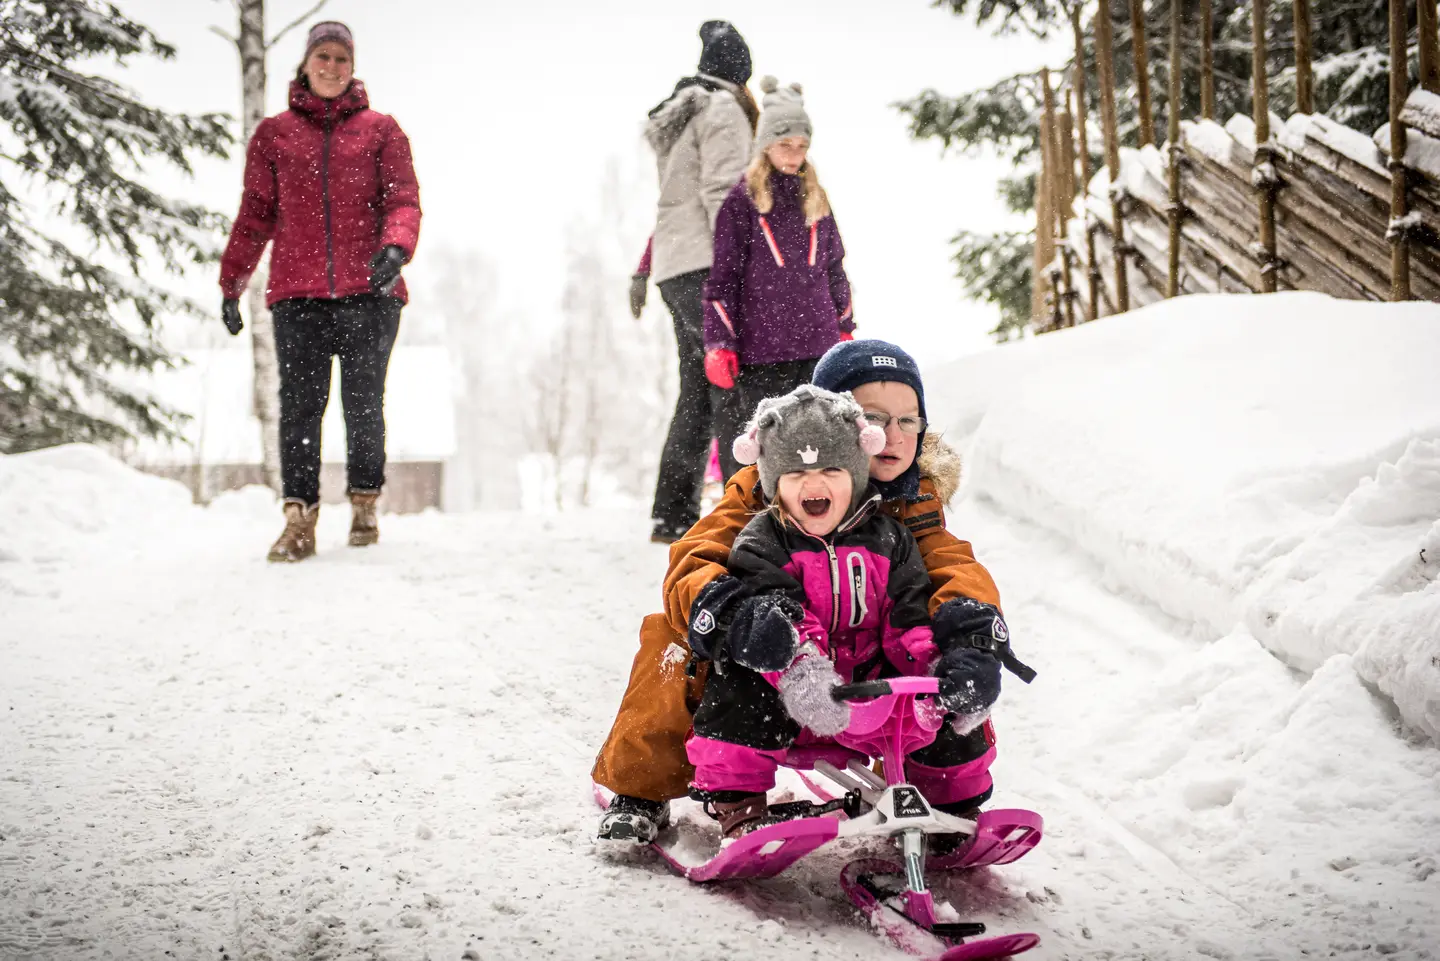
[[1254, 206]]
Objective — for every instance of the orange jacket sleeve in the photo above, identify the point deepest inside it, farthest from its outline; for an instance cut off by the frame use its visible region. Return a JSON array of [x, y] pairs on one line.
[[704, 552], [954, 571]]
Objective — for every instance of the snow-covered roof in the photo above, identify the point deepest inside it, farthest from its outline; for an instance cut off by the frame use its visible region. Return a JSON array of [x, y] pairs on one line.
[[215, 389]]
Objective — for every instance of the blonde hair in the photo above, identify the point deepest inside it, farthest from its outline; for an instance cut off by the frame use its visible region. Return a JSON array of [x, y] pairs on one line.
[[812, 196]]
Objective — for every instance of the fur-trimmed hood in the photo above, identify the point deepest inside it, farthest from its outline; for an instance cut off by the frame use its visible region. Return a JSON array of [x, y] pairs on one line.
[[669, 120], [941, 464]]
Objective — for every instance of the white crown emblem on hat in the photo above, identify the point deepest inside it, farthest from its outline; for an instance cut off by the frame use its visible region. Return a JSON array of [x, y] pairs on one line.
[[809, 455]]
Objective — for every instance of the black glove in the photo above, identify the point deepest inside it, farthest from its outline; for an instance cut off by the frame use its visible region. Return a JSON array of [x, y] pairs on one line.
[[762, 632], [639, 288], [968, 623], [230, 313], [969, 681], [710, 615], [385, 269]]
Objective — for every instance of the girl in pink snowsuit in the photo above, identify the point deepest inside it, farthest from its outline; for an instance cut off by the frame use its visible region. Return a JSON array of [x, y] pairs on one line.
[[832, 591]]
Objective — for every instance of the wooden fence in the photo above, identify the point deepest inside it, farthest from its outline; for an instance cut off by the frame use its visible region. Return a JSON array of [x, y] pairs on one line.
[[1254, 206]]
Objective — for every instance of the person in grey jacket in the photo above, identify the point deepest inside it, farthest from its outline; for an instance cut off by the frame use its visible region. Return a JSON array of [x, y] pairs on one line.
[[701, 135]]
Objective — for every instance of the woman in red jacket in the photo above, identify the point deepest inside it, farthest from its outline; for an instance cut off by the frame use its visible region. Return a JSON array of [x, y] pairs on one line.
[[331, 182]]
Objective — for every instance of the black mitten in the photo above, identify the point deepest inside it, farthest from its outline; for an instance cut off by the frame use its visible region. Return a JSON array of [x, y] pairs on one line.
[[385, 269], [965, 622], [711, 613], [639, 285], [969, 682], [762, 632], [230, 313]]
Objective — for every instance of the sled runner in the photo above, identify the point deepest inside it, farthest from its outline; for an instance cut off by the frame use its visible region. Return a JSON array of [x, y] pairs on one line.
[[888, 719]]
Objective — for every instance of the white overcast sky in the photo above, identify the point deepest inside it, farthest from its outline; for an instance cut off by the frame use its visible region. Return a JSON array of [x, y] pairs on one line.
[[514, 109]]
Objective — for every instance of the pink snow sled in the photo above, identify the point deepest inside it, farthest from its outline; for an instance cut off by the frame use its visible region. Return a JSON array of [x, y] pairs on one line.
[[888, 719]]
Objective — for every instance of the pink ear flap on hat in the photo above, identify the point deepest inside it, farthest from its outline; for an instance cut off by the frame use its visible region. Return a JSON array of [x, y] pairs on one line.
[[872, 438], [747, 447]]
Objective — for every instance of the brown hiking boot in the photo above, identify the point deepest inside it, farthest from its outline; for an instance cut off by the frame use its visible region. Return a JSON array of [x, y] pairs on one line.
[[297, 541], [364, 526], [738, 818]]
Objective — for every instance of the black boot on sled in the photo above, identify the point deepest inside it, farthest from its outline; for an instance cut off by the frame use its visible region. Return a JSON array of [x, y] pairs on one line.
[[944, 845], [634, 819]]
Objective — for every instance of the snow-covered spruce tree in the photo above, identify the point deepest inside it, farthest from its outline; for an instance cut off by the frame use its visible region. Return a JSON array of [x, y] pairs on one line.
[[1351, 64], [79, 253]]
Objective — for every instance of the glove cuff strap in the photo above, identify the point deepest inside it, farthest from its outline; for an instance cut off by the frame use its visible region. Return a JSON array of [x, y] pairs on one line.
[[1002, 652]]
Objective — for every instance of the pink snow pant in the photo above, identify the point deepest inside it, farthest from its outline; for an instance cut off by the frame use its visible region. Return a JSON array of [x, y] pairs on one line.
[[722, 766]]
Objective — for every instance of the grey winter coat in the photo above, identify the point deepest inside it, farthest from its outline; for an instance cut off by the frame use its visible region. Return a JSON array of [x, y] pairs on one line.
[[702, 141]]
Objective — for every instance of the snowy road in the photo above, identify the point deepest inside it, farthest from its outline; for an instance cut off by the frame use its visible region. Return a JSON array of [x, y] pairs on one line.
[[383, 754]]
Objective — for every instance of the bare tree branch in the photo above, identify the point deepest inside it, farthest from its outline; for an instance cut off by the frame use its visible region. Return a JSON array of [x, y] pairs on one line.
[[295, 23], [221, 33]]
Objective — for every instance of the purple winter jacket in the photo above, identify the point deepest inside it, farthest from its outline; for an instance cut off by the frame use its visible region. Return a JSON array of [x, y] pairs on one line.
[[777, 289]]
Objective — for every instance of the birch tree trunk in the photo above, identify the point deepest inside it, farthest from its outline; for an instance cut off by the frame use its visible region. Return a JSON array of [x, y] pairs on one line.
[[252, 47]]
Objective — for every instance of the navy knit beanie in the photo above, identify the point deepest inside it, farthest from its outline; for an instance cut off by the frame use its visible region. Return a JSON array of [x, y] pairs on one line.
[[725, 53], [849, 364]]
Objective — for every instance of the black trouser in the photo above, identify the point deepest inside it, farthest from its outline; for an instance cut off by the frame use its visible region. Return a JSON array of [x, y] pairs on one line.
[[360, 330], [702, 411], [758, 381]]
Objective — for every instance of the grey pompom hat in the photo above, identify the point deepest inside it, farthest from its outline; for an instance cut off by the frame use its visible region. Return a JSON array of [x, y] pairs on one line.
[[810, 429], [782, 114]]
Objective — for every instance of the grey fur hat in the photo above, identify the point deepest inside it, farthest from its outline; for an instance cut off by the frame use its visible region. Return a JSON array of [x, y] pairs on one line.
[[782, 114], [810, 429]]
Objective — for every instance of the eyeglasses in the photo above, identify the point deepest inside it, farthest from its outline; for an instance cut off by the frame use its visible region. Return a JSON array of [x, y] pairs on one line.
[[908, 424]]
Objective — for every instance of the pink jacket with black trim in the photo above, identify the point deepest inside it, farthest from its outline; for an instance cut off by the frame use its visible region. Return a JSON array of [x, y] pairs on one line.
[[865, 589]]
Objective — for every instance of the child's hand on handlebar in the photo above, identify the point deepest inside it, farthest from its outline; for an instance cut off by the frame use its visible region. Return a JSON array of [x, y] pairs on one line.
[[806, 691]]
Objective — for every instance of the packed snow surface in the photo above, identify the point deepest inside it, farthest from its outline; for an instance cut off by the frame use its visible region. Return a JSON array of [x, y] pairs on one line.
[[1263, 464], [383, 753]]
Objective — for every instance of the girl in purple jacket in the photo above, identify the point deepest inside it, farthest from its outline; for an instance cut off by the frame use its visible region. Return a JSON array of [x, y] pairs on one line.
[[777, 296], [831, 591]]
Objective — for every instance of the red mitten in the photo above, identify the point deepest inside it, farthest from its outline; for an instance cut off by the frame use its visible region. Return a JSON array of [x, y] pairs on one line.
[[846, 335], [722, 367]]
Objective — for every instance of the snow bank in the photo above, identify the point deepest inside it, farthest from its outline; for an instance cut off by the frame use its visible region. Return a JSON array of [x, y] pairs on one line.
[[1267, 462], [54, 502]]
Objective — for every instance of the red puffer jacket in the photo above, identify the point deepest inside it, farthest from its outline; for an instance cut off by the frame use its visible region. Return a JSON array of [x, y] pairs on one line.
[[332, 182]]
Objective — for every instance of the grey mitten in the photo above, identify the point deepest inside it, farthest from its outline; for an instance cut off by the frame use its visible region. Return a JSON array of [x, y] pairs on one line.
[[805, 691]]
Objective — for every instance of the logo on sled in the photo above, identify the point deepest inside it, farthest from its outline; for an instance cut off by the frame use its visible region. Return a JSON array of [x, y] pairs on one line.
[[909, 803], [704, 622]]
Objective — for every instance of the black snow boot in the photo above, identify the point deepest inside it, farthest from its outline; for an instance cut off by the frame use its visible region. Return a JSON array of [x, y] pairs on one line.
[[943, 845], [634, 819]]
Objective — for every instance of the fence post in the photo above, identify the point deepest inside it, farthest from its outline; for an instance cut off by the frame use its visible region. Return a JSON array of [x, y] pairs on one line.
[[1140, 49], [1104, 55], [1398, 234], [1264, 177], [1304, 81], [1044, 232], [1081, 127], [1207, 61], [1172, 110], [1429, 45], [1059, 285]]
